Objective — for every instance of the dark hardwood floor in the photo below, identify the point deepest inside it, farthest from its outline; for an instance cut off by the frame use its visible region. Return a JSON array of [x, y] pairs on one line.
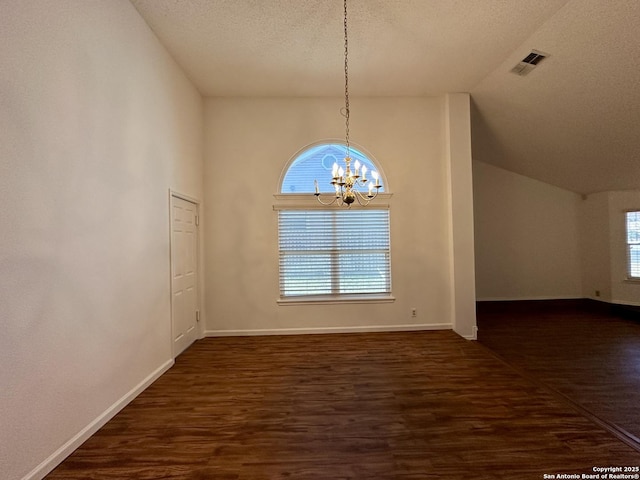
[[584, 350], [413, 405]]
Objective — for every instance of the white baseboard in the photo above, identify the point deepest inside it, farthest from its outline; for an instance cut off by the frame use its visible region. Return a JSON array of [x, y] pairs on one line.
[[68, 448], [473, 336], [320, 330]]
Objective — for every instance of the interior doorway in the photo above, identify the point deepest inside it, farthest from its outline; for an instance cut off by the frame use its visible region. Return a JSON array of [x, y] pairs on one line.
[[185, 314]]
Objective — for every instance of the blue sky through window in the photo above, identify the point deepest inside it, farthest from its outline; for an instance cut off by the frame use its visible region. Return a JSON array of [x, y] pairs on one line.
[[316, 163]]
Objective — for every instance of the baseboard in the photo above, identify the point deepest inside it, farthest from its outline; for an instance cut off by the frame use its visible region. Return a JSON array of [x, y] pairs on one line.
[[619, 303], [629, 310], [321, 330], [524, 299], [625, 303], [68, 448], [474, 334]]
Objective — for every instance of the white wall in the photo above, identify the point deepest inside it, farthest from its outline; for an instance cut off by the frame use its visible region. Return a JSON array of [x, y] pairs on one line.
[[249, 141], [526, 236], [96, 124]]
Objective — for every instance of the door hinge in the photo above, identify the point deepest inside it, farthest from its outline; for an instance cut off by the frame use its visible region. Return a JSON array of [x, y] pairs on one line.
[[197, 315], [197, 220]]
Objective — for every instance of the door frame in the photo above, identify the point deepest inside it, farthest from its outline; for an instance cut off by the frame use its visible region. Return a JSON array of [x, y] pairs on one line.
[[199, 276]]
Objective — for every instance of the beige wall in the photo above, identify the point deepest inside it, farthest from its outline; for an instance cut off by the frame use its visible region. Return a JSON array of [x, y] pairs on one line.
[[604, 253], [595, 247], [535, 241], [248, 142], [526, 236], [458, 155], [622, 291], [96, 124]]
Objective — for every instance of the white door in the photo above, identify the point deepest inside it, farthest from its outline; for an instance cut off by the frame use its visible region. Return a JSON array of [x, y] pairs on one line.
[[184, 273]]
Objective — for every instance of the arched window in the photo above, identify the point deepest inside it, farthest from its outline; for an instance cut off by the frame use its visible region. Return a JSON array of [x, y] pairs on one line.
[[331, 253], [316, 163]]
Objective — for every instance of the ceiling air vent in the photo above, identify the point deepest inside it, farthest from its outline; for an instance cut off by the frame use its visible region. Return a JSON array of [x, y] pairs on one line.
[[528, 63]]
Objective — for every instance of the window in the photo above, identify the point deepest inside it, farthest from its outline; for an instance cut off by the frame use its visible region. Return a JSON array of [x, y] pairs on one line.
[[334, 252], [633, 244], [316, 163], [330, 253]]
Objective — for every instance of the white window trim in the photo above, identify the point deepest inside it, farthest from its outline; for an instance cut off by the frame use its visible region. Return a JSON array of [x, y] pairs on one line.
[[331, 299]]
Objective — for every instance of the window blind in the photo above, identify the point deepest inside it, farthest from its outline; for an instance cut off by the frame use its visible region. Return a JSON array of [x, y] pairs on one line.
[[334, 252], [633, 244]]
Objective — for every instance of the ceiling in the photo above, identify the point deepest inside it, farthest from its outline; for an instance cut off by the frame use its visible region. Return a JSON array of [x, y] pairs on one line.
[[573, 122]]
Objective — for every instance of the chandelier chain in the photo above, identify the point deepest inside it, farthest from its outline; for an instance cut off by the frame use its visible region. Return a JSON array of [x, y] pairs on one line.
[[346, 80], [348, 181]]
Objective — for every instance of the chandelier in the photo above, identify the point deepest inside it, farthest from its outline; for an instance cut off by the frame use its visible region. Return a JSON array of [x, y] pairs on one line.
[[349, 181]]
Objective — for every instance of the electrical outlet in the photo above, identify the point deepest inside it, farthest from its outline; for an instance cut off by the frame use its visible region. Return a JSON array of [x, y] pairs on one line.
[[597, 293], [414, 312]]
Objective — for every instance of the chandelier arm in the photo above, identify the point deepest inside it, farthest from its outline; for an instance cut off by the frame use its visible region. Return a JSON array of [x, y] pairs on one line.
[[362, 202], [365, 198], [335, 199]]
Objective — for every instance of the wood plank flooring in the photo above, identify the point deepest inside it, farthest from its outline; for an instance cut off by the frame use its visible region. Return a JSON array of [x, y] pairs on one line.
[[579, 348], [411, 405]]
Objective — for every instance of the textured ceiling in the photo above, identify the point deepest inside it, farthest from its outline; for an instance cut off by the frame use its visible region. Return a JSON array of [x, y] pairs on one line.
[[573, 122]]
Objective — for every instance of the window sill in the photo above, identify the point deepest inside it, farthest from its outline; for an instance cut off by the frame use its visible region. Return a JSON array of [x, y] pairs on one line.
[[329, 299], [632, 280]]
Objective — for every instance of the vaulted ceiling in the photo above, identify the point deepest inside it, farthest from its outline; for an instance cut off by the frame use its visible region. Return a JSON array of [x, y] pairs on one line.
[[574, 121]]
